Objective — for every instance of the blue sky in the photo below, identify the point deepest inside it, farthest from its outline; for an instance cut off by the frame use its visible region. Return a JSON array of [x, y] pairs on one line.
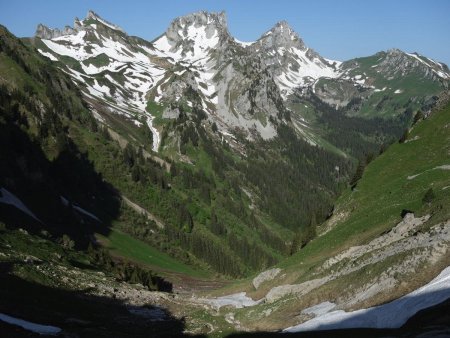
[[336, 29]]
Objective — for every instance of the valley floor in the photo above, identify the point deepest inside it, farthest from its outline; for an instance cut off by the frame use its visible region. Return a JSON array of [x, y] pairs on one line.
[[83, 301]]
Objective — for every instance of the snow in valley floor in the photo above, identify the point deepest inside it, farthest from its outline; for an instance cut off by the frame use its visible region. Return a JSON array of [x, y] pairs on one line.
[[390, 315]]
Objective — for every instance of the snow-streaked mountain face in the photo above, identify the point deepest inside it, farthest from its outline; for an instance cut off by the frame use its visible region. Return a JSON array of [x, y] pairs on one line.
[[111, 67], [190, 39], [229, 78], [394, 63], [290, 61], [387, 83], [196, 63]]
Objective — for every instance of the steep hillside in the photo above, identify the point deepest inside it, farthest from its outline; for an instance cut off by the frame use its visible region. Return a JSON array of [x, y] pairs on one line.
[[387, 236], [38, 105]]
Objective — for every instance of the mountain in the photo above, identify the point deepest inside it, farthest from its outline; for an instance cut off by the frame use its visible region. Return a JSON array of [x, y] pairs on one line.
[[194, 160], [250, 87], [271, 125], [290, 61]]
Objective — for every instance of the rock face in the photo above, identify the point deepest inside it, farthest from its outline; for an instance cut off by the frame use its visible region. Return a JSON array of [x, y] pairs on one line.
[[231, 79], [290, 61], [265, 276], [296, 290], [193, 34], [44, 32], [405, 237]]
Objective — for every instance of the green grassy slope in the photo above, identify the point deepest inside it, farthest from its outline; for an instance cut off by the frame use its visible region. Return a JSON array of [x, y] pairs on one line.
[[124, 245], [375, 205], [377, 202], [394, 182]]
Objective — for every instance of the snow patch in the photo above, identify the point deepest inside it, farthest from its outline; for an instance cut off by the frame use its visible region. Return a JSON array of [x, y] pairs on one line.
[[87, 213], [198, 38], [443, 167], [429, 64], [66, 203], [49, 55], [8, 198], [390, 315], [181, 72], [306, 70], [156, 137], [242, 43], [379, 90], [33, 327]]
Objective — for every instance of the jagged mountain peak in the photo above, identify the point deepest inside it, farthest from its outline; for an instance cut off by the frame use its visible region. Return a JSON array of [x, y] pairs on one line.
[[94, 16], [184, 26], [394, 51], [45, 32], [289, 60], [203, 18], [193, 35], [283, 27], [281, 35]]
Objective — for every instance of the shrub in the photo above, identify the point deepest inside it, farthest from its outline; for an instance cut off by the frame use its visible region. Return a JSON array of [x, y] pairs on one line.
[[429, 196]]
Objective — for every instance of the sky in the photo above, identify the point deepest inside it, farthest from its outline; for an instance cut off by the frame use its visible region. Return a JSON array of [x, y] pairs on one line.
[[338, 30]]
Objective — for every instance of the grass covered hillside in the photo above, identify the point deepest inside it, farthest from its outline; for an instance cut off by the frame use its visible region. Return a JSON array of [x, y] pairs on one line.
[[358, 259], [397, 180]]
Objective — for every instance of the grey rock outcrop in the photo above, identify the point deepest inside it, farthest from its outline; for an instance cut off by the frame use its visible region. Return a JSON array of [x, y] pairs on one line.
[[94, 16], [44, 32], [265, 276], [180, 32], [297, 290]]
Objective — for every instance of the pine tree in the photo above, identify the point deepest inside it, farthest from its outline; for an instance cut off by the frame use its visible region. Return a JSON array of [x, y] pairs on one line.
[[135, 173], [214, 127], [128, 155], [404, 136], [419, 116], [358, 174], [429, 196]]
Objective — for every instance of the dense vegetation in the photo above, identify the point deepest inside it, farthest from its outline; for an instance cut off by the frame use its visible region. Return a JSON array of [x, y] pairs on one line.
[[357, 136]]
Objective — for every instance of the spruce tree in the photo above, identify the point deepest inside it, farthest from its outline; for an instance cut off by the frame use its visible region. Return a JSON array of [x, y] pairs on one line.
[[429, 196]]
